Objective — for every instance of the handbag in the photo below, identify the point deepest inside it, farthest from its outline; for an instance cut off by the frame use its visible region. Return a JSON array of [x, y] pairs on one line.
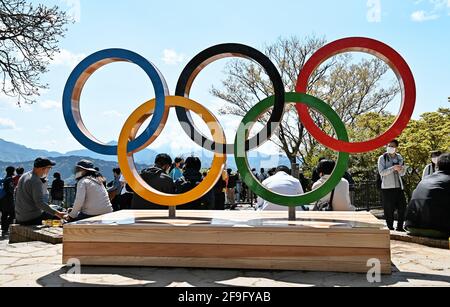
[[325, 205]]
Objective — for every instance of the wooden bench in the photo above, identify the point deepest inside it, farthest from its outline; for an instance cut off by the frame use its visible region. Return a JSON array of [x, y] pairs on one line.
[[23, 234], [435, 243], [317, 241]]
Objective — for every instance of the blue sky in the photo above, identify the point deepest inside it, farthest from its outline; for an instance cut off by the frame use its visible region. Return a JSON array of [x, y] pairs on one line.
[[170, 33]]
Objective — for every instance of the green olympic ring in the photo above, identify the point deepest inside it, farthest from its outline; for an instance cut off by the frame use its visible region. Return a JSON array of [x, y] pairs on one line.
[[254, 184]]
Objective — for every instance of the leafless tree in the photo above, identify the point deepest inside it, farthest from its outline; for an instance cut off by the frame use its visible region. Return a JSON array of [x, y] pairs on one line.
[[351, 89], [29, 37]]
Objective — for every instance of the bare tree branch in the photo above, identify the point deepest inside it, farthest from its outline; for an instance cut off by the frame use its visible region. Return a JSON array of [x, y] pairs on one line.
[[29, 38]]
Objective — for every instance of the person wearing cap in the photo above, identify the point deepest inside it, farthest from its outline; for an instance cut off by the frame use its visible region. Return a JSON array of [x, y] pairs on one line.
[[91, 198], [32, 195]]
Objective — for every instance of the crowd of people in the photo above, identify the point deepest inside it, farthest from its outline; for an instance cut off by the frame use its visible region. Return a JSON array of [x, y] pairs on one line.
[[25, 197]]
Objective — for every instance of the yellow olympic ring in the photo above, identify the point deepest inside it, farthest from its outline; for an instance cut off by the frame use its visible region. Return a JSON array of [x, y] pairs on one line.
[[128, 167]]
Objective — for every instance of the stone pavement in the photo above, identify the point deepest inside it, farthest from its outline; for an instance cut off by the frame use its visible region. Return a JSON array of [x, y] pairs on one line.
[[39, 264]]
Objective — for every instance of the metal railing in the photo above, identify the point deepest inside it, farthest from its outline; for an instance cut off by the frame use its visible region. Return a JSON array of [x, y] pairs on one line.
[[365, 196]]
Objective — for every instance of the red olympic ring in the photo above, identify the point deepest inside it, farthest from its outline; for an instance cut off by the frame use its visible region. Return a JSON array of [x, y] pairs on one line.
[[380, 50]]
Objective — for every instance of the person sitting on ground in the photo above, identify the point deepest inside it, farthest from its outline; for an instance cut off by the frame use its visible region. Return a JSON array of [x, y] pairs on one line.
[[341, 196], [281, 183], [191, 179], [32, 195], [428, 213], [157, 177], [7, 201], [91, 197], [430, 169]]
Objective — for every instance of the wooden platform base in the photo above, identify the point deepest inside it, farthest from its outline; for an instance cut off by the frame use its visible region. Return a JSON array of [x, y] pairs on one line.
[[317, 241], [24, 234]]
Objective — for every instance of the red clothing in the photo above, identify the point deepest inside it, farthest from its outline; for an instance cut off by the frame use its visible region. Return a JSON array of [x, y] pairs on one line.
[[16, 180]]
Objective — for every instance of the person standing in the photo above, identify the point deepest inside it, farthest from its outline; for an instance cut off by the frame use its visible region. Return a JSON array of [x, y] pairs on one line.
[[16, 178], [391, 167], [57, 192], [115, 190], [219, 192], [7, 201], [231, 188], [262, 176], [430, 169], [32, 196], [177, 170]]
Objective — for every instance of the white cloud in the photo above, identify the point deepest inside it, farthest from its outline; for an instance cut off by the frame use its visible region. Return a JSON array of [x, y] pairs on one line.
[[49, 105], [74, 9], [434, 10], [113, 114], [421, 16], [171, 57], [7, 124], [374, 11], [67, 58]]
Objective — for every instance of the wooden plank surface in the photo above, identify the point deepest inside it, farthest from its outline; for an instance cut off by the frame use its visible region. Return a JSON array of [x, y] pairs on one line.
[[229, 236], [214, 251], [234, 263], [240, 219]]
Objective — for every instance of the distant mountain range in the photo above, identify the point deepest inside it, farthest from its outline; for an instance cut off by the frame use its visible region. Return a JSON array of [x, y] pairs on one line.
[[19, 155], [65, 166]]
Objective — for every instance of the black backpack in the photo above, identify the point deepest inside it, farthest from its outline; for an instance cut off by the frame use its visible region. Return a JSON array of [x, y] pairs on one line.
[[325, 205]]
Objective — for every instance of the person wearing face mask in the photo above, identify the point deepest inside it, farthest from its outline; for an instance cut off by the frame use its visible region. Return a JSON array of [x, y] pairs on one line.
[[32, 195], [91, 198], [430, 169], [391, 167], [157, 177]]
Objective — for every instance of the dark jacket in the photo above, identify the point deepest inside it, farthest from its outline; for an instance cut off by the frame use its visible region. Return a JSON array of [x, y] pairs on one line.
[[430, 204], [7, 202], [57, 192], [188, 182], [157, 179]]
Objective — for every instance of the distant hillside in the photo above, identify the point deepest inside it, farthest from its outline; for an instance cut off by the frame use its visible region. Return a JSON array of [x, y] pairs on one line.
[[19, 155], [146, 156], [11, 152], [65, 166]]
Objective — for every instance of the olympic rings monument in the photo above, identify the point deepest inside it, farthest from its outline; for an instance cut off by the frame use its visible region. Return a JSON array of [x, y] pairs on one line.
[[313, 241]]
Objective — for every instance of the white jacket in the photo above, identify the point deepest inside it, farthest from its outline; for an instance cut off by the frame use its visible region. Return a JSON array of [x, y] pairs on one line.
[[341, 200], [283, 184], [91, 198]]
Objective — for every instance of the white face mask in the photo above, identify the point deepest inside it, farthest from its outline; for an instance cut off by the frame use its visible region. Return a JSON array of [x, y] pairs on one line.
[[435, 160], [391, 150]]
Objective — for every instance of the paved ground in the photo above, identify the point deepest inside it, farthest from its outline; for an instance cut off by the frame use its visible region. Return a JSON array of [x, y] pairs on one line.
[[39, 264]]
